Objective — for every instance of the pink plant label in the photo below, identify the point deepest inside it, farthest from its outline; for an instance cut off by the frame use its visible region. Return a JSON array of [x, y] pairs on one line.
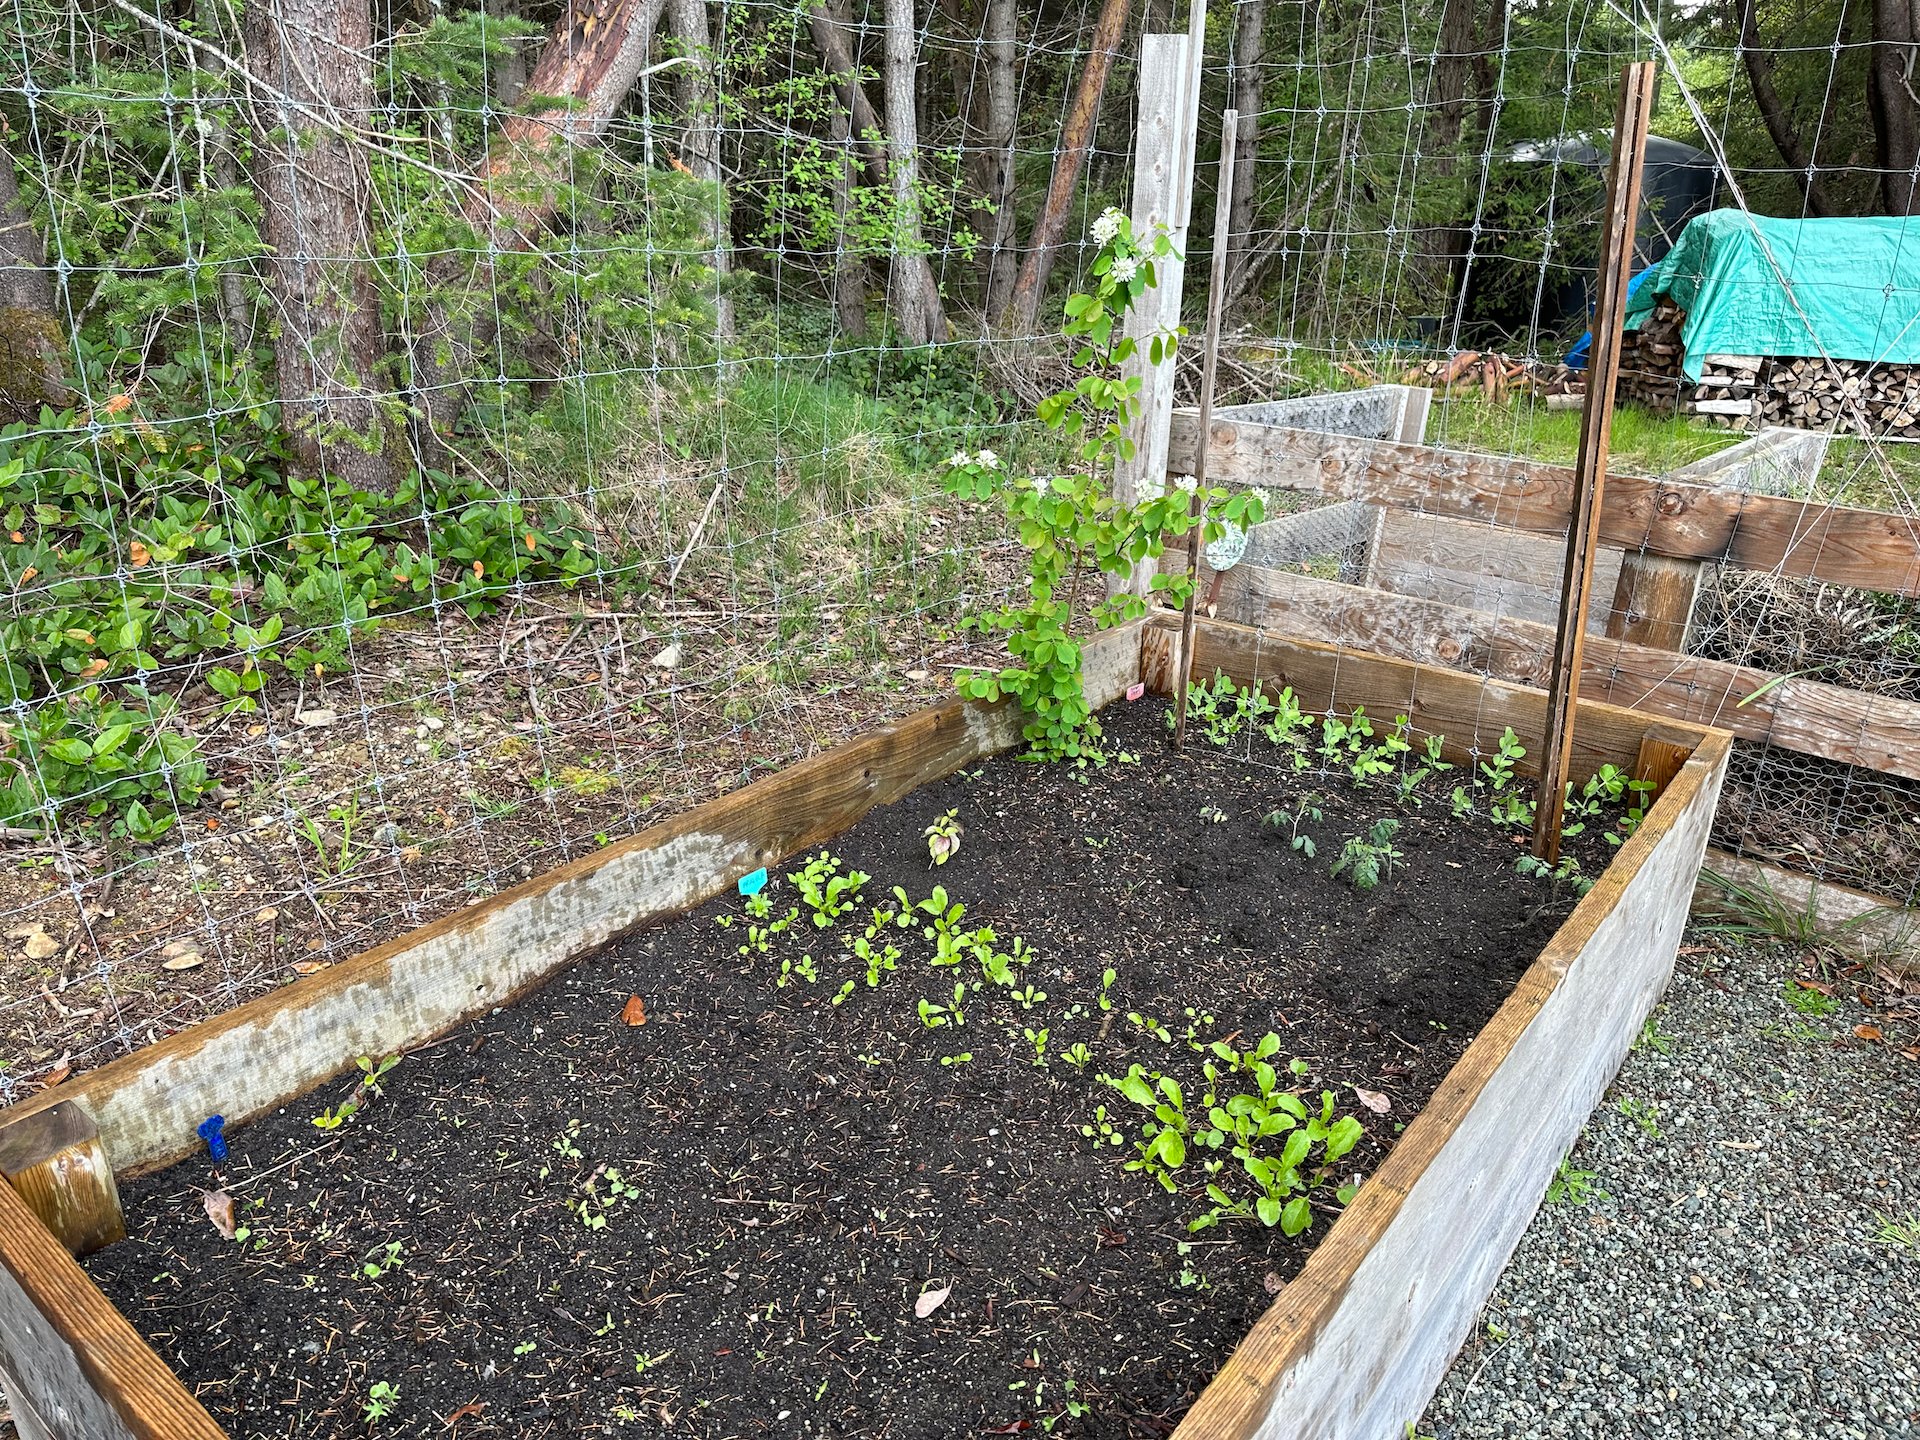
[[1136, 690]]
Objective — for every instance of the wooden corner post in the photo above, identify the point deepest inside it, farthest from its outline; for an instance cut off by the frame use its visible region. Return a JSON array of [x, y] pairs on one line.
[[1596, 433], [1162, 195]]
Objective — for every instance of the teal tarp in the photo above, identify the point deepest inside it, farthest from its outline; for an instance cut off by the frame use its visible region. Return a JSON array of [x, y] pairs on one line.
[[1757, 286]]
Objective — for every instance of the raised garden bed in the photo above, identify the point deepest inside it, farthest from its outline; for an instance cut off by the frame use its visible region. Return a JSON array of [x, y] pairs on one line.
[[818, 1168]]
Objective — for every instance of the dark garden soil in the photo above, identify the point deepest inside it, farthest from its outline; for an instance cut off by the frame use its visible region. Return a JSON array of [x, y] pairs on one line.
[[803, 1172]]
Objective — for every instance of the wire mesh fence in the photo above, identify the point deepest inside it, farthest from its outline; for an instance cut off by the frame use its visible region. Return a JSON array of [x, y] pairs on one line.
[[443, 439]]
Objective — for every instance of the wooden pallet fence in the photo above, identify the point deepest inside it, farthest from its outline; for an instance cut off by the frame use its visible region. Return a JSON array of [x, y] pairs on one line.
[[1867, 549], [1810, 718]]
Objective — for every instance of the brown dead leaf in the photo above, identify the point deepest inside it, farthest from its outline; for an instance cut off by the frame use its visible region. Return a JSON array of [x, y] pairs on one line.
[[1867, 1032], [635, 1012], [59, 1073], [1820, 985], [220, 1211], [1373, 1100], [141, 555], [469, 1411], [308, 967]]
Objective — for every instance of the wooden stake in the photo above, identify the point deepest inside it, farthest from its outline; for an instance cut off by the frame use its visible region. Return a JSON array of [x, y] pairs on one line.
[[1209, 364], [1596, 433]]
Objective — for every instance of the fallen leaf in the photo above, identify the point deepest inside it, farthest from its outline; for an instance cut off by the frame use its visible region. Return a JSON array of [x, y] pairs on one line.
[[1820, 985], [220, 1211], [267, 916], [318, 719], [931, 1301], [59, 1073], [635, 1012], [140, 554], [1867, 1032], [308, 967], [1012, 1427], [919, 675], [42, 946], [1373, 1100], [469, 1411], [1272, 1283]]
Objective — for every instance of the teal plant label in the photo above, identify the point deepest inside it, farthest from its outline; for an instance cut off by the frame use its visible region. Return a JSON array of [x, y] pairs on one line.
[[756, 882]]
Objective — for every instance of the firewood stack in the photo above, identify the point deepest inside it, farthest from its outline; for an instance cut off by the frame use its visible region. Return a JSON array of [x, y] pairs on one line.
[[1747, 391], [1852, 397], [1650, 357]]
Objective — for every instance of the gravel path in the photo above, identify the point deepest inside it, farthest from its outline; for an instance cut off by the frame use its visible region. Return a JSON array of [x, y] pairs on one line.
[[1727, 1275]]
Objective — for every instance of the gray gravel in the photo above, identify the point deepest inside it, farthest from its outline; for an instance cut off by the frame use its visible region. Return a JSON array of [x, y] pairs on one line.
[[1728, 1282]]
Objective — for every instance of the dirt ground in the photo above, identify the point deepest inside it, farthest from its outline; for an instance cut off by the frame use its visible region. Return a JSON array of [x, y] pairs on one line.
[[444, 767]]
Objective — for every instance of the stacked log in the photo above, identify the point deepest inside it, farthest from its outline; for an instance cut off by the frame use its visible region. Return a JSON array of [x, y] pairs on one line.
[[1850, 397], [1748, 391]]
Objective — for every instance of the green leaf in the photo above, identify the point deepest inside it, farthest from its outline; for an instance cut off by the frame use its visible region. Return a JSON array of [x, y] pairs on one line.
[[1268, 1209], [1296, 1217]]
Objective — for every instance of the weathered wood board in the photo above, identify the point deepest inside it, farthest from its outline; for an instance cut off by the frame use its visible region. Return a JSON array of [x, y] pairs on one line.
[[1484, 567], [69, 1361], [424, 983], [1808, 717], [56, 1164], [1868, 549], [1469, 711], [1355, 1345]]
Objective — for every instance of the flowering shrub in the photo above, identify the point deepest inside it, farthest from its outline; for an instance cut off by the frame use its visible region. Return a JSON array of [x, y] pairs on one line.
[[1073, 524]]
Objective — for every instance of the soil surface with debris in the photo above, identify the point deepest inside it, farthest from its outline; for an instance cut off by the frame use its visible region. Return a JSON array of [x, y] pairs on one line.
[[799, 1181], [1734, 1247]]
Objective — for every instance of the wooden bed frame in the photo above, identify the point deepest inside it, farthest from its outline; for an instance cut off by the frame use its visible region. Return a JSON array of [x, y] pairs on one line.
[[1352, 1348]]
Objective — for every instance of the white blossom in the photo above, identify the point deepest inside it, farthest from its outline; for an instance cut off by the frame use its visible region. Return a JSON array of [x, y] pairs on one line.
[[1259, 492], [987, 460], [1186, 483], [1106, 225], [959, 460], [1123, 269]]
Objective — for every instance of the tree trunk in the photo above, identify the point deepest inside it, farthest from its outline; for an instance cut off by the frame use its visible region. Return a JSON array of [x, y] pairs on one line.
[[698, 104], [508, 72], [32, 340], [1249, 21], [595, 52], [313, 187], [912, 294], [1890, 80], [849, 267], [997, 232], [1023, 305], [224, 170], [1786, 137], [829, 34]]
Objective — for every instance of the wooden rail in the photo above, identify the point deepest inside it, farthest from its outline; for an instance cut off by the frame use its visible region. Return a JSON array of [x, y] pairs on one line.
[[1867, 549], [1879, 732]]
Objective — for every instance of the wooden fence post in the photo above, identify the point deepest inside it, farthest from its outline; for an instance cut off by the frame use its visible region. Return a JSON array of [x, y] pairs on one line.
[[1596, 432], [1162, 195]]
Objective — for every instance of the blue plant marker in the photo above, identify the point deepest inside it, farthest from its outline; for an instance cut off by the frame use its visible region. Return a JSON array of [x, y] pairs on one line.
[[209, 1131], [756, 882]]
